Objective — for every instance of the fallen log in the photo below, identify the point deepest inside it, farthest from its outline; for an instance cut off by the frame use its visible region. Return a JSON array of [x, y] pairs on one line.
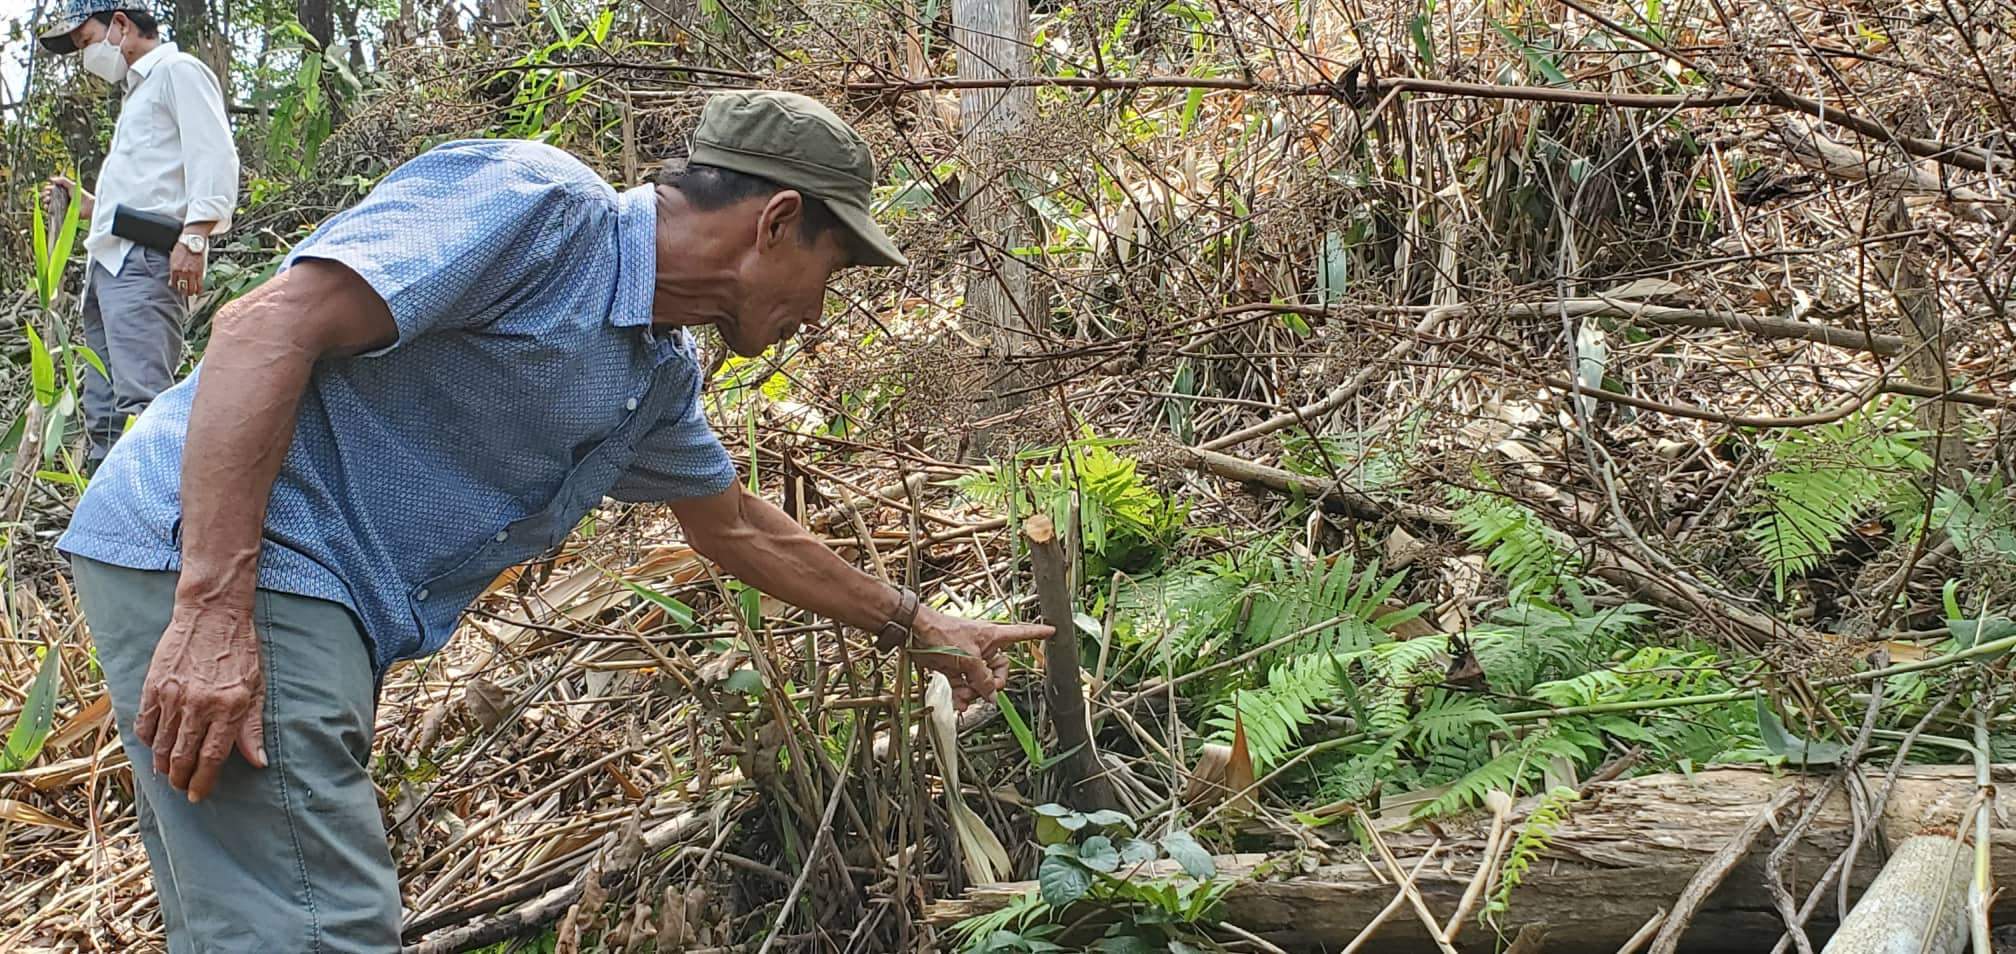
[[1626, 852]]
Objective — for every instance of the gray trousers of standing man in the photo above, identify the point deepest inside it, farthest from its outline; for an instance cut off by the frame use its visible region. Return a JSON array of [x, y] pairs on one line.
[[134, 321], [288, 858]]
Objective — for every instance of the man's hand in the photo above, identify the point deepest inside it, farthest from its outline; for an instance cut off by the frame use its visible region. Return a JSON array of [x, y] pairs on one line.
[[204, 694], [86, 202], [754, 540], [969, 653], [185, 271]]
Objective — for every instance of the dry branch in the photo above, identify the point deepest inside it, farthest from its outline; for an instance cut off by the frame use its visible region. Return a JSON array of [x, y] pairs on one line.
[[555, 902], [1965, 157]]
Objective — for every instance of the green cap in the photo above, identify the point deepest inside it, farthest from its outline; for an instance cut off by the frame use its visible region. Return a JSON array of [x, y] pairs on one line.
[[797, 143]]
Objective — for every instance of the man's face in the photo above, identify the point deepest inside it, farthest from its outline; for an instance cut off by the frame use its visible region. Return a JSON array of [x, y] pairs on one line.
[[783, 279], [92, 31]]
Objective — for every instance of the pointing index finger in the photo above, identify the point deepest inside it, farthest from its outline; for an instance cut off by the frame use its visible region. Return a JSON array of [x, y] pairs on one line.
[[1018, 633]]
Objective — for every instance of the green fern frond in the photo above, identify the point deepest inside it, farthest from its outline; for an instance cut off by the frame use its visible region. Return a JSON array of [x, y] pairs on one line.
[[1188, 611], [1019, 911], [1354, 779], [1981, 519], [1528, 555], [1359, 459], [1823, 477], [1332, 600], [1511, 770], [1274, 715], [1452, 720], [1534, 837], [1503, 773]]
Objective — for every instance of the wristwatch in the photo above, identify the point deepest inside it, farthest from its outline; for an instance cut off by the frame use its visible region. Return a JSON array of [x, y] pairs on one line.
[[896, 632], [195, 243]]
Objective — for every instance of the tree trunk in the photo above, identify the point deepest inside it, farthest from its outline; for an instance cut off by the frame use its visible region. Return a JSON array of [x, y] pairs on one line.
[[190, 26], [315, 17], [1924, 332], [1625, 852], [992, 40]]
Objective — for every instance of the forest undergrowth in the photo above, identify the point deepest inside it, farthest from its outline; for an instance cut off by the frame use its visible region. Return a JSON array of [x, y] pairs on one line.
[[1448, 409]]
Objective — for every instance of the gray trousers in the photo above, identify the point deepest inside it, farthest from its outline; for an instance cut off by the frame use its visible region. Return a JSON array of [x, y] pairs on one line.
[[134, 321], [289, 858]]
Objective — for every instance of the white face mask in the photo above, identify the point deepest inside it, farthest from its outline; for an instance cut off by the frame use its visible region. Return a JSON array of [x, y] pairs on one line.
[[103, 59]]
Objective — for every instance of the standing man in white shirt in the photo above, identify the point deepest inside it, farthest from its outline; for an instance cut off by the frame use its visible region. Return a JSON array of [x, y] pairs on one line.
[[167, 188]]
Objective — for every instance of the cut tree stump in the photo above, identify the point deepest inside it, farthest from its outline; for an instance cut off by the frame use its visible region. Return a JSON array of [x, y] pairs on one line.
[[1079, 780], [1626, 852]]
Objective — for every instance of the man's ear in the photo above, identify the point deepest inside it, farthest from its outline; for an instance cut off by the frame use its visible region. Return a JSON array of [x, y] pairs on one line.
[[779, 219]]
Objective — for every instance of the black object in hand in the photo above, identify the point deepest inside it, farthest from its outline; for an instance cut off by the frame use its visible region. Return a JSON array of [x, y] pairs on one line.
[[151, 229]]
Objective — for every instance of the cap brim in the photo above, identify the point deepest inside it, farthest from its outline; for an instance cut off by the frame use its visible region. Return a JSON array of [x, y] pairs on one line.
[[57, 40], [872, 246]]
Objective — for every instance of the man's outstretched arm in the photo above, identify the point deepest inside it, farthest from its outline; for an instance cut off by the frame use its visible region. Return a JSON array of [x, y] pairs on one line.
[[205, 686], [765, 548]]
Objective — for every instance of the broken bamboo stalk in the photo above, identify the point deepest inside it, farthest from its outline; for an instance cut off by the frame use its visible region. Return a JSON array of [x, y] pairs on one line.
[[1916, 905], [1080, 781]]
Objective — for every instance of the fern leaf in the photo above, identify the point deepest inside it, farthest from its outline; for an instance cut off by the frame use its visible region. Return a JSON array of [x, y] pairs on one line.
[[1533, 839], [1824, 477], [1274, 715], [1528, 555], [1454, 719], [1503, 773]]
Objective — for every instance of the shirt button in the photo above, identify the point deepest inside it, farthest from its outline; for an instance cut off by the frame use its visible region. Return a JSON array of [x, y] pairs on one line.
[[630, 405], [502, 535], [421, 595]]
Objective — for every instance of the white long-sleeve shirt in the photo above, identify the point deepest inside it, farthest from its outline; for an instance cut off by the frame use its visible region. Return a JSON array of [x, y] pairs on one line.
[[172, 152]]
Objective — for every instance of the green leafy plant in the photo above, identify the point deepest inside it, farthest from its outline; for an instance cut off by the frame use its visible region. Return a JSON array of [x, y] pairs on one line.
[[1122, 522], [1357, 457], [38, 710], [59, 393], [1099, 858], [1980, 518], [1513, 769], [1534, 836], [304, 104], [1329, 602], [542, 85], [1530, 556], [1823, 477], [51, 258]]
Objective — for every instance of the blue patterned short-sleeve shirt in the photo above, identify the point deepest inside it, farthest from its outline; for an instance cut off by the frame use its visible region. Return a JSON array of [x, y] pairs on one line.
[[526, 384]]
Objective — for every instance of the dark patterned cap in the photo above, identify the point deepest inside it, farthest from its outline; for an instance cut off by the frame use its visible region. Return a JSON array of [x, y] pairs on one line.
[[71, 14]]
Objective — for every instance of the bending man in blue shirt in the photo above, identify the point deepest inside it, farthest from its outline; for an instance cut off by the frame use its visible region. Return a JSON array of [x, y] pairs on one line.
[[439, 384]]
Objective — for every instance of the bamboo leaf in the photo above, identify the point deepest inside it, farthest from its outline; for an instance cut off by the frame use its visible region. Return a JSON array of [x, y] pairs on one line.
[[31, 729], [1418, 29], [679, 612], [1794, 749], [59, 257], [1541, 64], [43, 288], [23, 813], [1024, 736], [41, 367], [91, 358]]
